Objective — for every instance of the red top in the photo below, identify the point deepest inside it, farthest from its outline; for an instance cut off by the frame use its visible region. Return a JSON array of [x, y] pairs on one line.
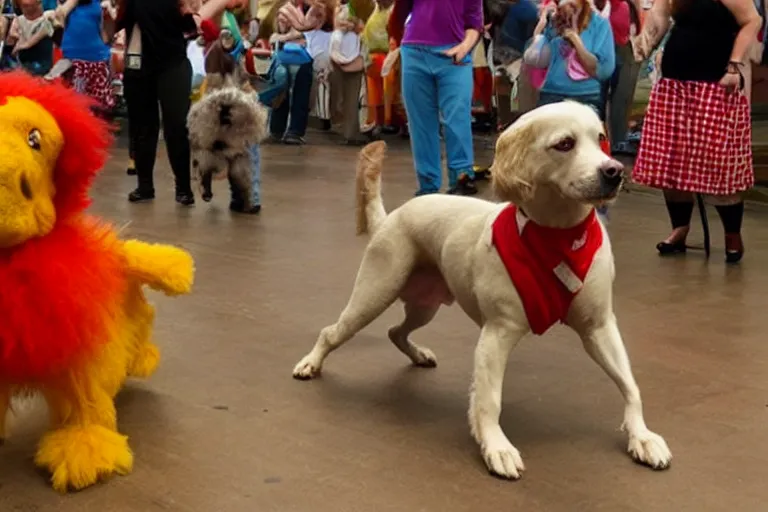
[[547, 265], [620, 21]]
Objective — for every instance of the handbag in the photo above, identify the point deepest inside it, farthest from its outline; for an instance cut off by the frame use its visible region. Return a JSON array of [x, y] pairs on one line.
[[293, 54], [538, 54]]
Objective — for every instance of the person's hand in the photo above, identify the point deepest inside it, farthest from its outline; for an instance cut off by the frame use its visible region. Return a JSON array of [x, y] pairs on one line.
[[459, 52], [571, 36], [392, 44], [546, 12], [731, 81], [17, 48]]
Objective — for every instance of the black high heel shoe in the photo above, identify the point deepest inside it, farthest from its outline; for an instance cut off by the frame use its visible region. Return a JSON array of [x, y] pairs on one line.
[[667, 249], [733, 256]]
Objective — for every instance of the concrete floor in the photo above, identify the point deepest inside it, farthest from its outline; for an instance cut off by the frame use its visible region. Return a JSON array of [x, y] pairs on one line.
[[222, 427]]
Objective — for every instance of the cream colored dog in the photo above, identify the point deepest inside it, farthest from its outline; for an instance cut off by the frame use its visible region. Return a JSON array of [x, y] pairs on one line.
[[436, 248]]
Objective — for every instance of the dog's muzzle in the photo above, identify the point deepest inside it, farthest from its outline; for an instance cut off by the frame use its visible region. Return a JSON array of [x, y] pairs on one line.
[[611, 177]]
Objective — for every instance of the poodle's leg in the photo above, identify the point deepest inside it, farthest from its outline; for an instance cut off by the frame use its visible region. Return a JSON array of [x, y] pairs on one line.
[[416, 316], [142, 317], [84, 446], [386, 265], [240, 177], [5, 406]]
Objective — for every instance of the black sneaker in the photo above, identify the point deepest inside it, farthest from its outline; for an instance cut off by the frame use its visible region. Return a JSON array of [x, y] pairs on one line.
[[464, 187], [293, 140], [239, 207], [138, 195], [185, 198]]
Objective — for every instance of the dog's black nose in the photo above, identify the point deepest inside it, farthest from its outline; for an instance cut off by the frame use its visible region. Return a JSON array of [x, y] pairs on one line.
[[611, 173], [225, 115]]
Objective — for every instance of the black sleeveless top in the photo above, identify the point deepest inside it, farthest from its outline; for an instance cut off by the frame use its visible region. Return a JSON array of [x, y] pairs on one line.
[[700, 43]]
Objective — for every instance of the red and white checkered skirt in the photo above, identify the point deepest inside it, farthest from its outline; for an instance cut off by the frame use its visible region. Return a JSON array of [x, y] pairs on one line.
[[697, 137], [95, 80]]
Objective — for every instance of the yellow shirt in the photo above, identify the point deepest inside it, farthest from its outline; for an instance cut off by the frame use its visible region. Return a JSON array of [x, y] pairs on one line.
[[375, 34]]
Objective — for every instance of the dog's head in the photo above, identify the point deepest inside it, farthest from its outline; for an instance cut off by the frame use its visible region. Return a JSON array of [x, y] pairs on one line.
[[227, 119], [556, 146]]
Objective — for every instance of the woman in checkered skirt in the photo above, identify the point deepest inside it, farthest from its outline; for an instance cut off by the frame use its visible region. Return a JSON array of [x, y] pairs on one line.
[[697, 130]]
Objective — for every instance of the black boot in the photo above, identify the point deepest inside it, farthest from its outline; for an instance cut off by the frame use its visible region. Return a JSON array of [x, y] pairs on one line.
[[732, 215]]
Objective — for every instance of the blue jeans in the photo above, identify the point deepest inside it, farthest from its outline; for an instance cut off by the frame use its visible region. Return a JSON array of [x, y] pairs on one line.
[[434, 87], [255, 152], [596, 101], [296, 105]]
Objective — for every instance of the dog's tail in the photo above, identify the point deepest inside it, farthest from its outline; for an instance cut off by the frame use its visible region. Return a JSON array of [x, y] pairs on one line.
[[370, 207]]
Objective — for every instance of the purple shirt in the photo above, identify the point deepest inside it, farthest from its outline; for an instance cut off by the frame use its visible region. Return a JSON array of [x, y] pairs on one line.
[[442, 22]]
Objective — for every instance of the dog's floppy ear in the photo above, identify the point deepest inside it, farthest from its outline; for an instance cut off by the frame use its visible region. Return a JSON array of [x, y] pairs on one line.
[[514, 168]]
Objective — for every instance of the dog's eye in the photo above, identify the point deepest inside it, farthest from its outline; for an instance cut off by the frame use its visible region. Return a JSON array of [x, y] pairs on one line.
[[565, 145], [34, 138]]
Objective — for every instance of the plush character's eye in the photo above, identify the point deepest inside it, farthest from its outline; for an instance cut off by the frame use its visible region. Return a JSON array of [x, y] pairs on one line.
[[565, 144], [34, 138]]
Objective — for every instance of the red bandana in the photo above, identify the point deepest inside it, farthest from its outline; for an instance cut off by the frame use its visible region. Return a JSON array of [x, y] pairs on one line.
[[546, 265]]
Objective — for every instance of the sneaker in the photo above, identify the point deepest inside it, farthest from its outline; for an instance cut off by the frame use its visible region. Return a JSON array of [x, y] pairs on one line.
[[185, 198], [293, 140], [464, 187], [139, 196], [239, 207]]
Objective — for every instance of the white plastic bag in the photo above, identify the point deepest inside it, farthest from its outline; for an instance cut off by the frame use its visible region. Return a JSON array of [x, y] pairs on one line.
[[538, 53]]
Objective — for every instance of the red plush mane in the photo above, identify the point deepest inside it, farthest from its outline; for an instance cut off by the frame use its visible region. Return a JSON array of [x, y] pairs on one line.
[[61, 299], [86, 138]]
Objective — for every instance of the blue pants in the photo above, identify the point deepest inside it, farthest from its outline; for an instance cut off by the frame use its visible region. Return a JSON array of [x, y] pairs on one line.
[[434, 87], [292, 115], [596, 102], [255, 152]]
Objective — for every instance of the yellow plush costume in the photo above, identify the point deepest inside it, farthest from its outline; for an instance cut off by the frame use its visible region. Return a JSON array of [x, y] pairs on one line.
[[74, 321]]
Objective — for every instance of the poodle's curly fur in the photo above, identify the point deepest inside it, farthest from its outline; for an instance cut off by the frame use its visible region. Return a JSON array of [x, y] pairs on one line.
[[222, 127]]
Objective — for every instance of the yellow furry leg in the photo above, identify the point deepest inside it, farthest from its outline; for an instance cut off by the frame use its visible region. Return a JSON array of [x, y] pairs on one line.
[[146, 361], [140, 316], [163, 267], [84, 446], [78, 456]]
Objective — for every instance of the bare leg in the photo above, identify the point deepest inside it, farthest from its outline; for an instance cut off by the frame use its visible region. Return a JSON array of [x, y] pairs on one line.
[[415, 318], [491, 354], [605, 346], [383, 273]]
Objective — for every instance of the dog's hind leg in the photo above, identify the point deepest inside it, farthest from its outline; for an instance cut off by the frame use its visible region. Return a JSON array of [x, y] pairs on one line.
[[5, 406], [383, 273], [605, 346], [416, 317]]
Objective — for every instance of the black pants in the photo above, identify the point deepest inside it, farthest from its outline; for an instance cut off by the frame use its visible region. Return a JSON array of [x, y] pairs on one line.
[[171, 87], [296, 105]]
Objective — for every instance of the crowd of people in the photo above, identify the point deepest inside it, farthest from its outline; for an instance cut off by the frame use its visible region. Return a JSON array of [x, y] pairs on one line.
[[425, 69]]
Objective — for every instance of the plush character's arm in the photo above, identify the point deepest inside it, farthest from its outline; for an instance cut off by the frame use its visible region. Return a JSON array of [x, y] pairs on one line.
[[164, 268]]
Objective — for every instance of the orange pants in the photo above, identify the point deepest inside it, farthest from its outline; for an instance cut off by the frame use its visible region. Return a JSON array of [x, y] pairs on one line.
[[385, 106], [482, 95]]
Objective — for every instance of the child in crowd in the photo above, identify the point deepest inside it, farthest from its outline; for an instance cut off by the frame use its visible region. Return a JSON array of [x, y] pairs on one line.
[[87, 30], [31, 35], [380, 89]]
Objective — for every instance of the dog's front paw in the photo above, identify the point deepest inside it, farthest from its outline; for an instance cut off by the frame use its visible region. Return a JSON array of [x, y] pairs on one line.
[[650, 449], [503, 459], [307, 368]]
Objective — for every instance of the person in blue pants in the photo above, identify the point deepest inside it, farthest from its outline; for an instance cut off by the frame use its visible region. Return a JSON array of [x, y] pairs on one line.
[[437, 84]]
